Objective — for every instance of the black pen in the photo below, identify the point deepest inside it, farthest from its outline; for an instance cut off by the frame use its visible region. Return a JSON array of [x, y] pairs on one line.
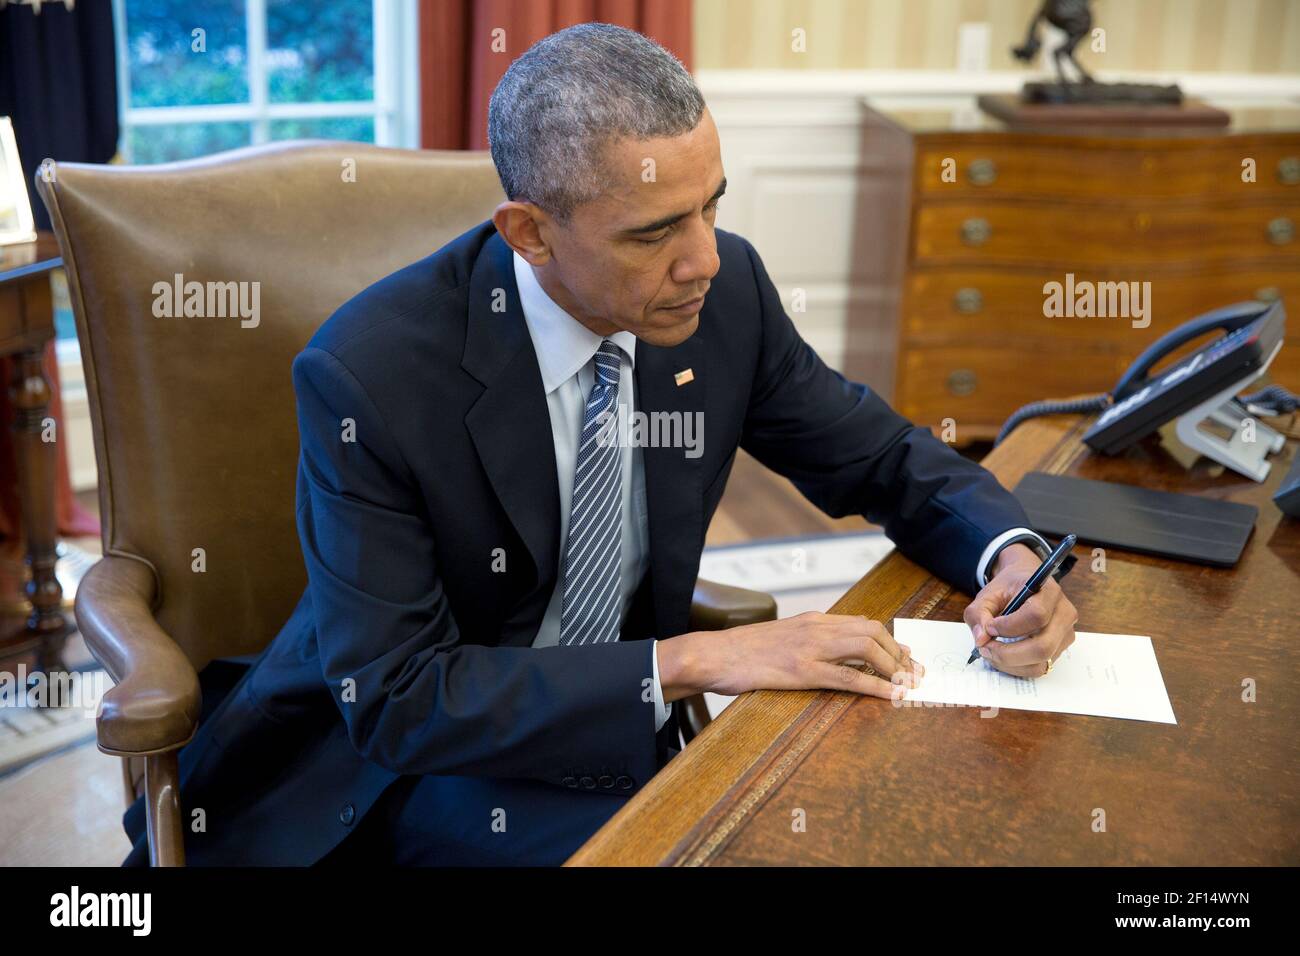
[[1035, 582]]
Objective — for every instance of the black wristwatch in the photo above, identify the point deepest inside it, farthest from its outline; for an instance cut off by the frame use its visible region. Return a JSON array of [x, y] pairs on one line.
[[1035, 544]]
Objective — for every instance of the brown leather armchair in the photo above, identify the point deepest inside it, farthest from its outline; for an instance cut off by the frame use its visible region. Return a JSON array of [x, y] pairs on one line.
[[194, 418]]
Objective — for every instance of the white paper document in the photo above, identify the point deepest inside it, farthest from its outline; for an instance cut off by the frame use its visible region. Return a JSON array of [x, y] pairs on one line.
[[1103, 675]]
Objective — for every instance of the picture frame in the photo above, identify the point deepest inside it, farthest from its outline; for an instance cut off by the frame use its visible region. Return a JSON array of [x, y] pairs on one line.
[[16, 222]]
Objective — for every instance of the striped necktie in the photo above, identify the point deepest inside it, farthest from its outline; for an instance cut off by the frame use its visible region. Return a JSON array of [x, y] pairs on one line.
[[592, 603]]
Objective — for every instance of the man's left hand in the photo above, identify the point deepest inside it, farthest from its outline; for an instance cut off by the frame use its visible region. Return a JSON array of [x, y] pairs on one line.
[[1046, 620]]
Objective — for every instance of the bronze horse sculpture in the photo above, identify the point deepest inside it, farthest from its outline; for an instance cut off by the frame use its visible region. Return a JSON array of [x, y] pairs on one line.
[[1072, 16], [1075, 18]]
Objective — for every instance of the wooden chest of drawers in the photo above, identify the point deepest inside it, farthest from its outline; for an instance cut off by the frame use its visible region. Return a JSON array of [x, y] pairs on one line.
[[999, 214]]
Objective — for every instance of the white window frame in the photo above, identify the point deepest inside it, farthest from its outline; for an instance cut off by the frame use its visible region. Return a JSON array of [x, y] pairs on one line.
[[395, 108]]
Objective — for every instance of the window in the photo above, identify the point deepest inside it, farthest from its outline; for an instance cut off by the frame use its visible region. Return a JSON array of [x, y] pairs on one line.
[[259, 70], [199, 78]]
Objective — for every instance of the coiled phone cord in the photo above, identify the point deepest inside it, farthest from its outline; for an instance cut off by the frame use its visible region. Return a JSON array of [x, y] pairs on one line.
[[1272, 400], [1075, 406]]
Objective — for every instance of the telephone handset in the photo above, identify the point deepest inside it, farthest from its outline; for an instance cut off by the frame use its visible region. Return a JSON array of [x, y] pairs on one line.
[[1200, 386], [1229, 318]]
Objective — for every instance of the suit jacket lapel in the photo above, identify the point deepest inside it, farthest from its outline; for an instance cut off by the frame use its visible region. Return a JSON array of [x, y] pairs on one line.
[[674, 489], [510, 423], [510, 426]]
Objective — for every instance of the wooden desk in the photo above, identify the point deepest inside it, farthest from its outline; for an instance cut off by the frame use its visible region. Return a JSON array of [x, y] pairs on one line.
[[26, 325], [882, 784]]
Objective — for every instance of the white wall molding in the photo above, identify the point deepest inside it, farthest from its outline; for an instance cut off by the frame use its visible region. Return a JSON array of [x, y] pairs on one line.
[[769, 85]]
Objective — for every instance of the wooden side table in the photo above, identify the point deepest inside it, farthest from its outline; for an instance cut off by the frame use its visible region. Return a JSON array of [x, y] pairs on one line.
[[999, 213], [26, 326]]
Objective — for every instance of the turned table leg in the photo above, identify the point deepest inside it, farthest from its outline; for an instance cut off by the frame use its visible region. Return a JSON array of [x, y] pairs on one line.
[[34, 451]]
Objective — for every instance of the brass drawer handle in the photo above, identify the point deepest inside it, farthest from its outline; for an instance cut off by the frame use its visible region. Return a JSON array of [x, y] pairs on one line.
[[1288, 170], [961, 382], [982, 172], [1281, 231], [968, 300], [1269, 293], [976, 232]]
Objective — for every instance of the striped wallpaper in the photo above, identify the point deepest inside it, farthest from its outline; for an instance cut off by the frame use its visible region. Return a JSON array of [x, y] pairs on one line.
[[1237, 36]]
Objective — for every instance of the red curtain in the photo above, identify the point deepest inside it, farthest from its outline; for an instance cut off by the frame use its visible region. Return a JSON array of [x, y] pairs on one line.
[[459, 70]]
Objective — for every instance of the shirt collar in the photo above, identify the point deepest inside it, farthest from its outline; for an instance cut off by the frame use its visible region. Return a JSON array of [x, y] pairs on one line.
[[563, 344]]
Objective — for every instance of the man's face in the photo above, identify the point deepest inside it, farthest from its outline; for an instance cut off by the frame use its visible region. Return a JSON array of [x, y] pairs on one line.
[[641, 257]]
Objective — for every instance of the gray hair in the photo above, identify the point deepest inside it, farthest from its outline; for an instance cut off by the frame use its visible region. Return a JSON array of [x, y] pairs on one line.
[[569, 96]]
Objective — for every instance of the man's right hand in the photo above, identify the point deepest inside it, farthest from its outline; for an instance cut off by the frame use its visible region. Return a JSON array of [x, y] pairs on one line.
[[812, 651]]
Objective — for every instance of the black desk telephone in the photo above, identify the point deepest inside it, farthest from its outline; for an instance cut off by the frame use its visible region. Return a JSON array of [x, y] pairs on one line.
[[1201, 387]]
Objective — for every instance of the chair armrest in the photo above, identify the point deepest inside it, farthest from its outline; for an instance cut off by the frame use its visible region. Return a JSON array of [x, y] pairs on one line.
[[715, 607], [156, 703]]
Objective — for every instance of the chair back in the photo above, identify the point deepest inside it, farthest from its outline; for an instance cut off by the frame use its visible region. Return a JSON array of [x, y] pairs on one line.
[[194, 285]]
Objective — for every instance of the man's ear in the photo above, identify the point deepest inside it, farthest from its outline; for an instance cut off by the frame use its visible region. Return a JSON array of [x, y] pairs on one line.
[[520, 226]]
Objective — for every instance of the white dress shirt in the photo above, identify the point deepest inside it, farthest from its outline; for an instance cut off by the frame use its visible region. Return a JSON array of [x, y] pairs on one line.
[[565, 355], [996, 545]]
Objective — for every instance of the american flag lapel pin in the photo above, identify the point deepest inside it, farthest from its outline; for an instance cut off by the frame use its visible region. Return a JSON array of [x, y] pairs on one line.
[[684, 377]]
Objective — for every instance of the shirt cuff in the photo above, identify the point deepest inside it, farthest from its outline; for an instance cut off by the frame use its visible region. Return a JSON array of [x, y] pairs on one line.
[[661, 710], [1000, 542]]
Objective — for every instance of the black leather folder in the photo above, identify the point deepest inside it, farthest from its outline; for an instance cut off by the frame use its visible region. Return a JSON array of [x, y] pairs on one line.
[[1162, 523]]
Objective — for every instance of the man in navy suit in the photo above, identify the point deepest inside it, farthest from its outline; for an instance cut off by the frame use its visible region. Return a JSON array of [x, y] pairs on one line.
[[510, 453]]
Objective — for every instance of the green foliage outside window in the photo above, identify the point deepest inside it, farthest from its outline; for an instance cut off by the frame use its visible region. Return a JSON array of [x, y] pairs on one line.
[[182, 53]]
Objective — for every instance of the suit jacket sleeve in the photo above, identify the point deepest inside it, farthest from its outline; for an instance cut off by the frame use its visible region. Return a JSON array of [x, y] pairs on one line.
[[416, 699], [850, 453]]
